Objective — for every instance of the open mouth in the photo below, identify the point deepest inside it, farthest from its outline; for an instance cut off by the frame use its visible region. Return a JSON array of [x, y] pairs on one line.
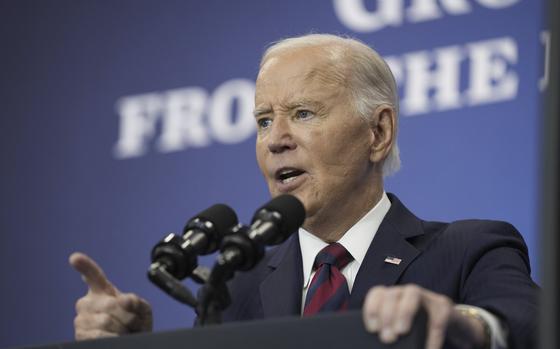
[[287, 175]]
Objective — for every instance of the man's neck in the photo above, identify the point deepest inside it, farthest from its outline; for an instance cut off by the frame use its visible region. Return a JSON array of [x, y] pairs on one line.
[[332, 228]]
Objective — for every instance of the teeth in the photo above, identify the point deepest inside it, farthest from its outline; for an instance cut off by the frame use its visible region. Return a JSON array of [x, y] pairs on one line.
[[289, 179], [288, 175]]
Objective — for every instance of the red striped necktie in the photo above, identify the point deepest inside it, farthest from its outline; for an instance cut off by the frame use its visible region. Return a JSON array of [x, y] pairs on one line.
[[328, 291]]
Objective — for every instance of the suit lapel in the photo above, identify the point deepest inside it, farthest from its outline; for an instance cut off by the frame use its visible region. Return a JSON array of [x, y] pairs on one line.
[[281, 290], [390, 241]]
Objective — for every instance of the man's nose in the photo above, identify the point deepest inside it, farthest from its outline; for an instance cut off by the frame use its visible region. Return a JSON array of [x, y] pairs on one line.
[[281, 136]]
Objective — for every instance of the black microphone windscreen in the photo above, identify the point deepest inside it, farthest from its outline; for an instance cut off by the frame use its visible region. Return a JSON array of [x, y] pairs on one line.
[[290, 209], [222, 216]]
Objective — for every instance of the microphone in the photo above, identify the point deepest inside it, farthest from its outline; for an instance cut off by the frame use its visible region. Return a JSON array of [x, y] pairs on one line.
[[272, 224], [275, 221], [202, 234]]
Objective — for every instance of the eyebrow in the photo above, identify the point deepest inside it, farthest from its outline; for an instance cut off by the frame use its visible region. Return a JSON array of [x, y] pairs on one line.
[[262, 111], [288, 106]]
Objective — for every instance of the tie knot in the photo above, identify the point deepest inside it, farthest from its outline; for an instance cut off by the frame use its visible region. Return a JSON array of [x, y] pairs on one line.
[[333, 254]]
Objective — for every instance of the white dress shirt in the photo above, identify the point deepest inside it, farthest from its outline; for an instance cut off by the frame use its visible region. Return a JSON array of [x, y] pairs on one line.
[[357, 241]]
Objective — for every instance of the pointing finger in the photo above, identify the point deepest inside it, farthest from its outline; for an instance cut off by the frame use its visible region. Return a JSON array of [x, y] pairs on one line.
[[92, 274]]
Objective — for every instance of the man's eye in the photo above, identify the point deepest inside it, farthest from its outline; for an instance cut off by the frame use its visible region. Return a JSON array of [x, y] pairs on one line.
[[304, 114], [264, 123]]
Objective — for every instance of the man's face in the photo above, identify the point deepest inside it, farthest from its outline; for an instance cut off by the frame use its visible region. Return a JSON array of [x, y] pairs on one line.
[[310, 142]]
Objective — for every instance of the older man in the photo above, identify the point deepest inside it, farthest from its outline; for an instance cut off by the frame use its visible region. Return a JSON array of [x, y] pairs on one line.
[[326, 109]]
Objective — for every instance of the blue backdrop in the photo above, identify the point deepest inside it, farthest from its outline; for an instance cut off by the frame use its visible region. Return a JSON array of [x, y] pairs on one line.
[[120, 120]]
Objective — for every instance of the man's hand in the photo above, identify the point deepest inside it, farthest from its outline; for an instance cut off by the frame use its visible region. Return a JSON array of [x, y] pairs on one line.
[[104, 311], [390, 311]]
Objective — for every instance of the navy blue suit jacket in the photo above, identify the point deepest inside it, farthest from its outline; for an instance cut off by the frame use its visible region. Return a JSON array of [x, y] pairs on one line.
[[476, 262]]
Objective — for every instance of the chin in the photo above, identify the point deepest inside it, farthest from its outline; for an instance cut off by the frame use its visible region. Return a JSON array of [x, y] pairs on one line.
[[310, 207]]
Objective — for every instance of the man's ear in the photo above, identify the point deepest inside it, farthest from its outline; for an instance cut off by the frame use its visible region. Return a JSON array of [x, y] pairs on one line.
[[383, 127]]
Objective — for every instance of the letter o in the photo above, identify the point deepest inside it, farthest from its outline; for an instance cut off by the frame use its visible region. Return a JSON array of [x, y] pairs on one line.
[[221, 122]]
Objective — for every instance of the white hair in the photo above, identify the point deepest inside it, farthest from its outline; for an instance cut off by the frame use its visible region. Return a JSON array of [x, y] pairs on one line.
[[361, 70]]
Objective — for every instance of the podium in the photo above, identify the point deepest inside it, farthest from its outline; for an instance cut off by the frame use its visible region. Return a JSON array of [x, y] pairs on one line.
[[339, 331]]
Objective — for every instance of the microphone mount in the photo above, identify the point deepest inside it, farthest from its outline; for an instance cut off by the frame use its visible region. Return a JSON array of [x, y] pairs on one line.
[[243, 249]]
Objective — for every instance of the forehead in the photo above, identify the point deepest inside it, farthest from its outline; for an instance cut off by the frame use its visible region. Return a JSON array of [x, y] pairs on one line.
[[303, 73]]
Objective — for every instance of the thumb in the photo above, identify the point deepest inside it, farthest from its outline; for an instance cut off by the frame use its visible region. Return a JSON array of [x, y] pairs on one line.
[[92, 274], [142, 321]]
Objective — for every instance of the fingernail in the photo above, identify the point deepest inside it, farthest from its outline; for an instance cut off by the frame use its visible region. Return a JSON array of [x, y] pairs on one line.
[[387, 335], [373, 323], [400, 327]]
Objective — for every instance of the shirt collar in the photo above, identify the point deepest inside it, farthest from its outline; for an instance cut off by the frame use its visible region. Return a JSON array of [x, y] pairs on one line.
[[356, 240]]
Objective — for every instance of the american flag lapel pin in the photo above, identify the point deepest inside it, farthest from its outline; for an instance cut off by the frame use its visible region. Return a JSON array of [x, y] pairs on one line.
[[393, 260]]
